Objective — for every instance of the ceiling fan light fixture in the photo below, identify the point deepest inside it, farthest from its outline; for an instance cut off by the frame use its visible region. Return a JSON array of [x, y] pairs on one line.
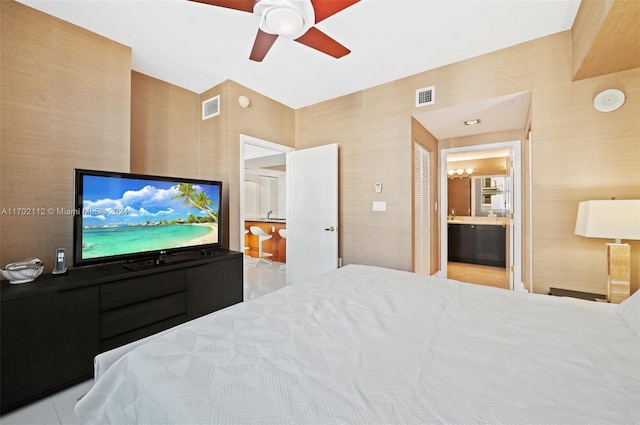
[[282, 20]]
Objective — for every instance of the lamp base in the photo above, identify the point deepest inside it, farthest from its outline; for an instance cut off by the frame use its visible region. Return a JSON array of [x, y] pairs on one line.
[[618, 272]]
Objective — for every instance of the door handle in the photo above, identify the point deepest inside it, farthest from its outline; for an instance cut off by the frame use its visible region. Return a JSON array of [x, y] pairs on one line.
[[330, 229]]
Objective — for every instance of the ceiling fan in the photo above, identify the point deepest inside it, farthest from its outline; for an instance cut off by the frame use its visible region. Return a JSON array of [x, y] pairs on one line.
[[293, 19]]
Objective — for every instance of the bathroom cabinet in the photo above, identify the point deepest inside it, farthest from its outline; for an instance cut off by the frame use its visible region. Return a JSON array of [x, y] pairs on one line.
[[477, 244]]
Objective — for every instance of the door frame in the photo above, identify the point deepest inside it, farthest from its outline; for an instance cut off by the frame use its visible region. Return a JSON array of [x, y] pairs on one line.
[[264, 144], [516, 283]]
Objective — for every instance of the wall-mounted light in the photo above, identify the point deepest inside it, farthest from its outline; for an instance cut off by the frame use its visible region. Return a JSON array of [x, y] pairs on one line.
[[460, 172]]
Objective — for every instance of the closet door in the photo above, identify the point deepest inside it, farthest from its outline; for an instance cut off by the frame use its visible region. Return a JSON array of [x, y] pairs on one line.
[[421, 210]]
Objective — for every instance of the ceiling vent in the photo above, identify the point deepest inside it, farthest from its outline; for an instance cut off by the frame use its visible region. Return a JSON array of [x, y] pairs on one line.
[[426, 96], [211, 107]]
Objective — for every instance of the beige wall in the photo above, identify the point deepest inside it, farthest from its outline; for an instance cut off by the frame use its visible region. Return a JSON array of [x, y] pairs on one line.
[[65, 104], [169, 136], [220, 143], [50, 67], [605, 37], [482, 167], [165, 128], [576, 154]]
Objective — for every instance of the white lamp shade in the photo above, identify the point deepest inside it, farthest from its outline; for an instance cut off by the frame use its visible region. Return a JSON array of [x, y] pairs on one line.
[[609, 219]]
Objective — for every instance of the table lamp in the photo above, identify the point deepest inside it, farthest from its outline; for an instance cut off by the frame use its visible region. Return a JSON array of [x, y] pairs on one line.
[[612, 219]]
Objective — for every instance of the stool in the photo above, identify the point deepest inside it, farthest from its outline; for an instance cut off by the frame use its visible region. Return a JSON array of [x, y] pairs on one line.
[[245, 248], [262, 236]]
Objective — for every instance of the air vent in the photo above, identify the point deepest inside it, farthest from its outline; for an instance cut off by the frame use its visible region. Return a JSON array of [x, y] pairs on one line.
[[211, 107], [426, 96]]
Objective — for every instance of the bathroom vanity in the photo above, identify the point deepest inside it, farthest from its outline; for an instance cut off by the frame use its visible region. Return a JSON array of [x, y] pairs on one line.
[[477, 242]]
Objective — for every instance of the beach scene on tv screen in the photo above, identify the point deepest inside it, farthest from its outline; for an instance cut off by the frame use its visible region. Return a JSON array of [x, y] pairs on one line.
[[125, 216]]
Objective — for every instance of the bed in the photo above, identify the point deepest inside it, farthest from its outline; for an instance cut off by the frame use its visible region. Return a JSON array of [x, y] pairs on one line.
[[369, 345]]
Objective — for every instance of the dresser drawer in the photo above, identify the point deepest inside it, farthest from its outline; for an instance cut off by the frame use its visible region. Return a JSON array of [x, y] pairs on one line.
[[125, 338], [130, 291], [125, 319]]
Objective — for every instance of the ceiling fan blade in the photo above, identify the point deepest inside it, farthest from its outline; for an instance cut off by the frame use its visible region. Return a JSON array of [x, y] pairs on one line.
[[243, 5], [325, 8], [320, 41], [261, 45]]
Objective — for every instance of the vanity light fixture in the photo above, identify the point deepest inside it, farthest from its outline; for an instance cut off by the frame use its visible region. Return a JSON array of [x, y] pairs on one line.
[[460, 172], [472, 122]]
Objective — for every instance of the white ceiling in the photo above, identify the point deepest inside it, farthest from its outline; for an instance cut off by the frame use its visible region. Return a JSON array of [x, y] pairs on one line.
[[196, 46], [496, 114]]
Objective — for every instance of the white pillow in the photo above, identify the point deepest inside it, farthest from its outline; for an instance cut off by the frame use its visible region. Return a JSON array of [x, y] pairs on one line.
[[630, 310]]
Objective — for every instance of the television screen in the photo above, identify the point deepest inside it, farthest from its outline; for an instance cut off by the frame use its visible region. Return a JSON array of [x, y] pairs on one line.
[[122, 216]]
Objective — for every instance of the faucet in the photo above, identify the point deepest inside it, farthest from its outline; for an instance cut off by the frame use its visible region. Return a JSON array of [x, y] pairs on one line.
[[453, 213], [268, 214]]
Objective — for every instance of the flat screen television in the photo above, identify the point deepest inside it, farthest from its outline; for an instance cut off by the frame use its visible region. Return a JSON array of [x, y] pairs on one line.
[[135, 217]]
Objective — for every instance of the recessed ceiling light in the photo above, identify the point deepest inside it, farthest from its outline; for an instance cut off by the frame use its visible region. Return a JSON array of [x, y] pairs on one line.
[[472, 122]]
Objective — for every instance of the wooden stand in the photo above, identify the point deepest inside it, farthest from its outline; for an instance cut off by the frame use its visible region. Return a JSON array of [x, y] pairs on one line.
[[618, 272], [52, 328]]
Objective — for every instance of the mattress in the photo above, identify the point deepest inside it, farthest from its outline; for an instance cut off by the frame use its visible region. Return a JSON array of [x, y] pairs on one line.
[[368, 345]]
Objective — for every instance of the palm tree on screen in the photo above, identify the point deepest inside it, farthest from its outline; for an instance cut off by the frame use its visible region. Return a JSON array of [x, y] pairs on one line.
[[203, 202], [199, 200]]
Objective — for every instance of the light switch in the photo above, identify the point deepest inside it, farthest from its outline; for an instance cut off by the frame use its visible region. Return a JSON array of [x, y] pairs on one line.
[[379, 206]]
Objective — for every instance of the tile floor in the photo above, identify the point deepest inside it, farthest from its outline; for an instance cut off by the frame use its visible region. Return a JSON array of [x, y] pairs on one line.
[[58, 409], [260, 279], [54, 410]]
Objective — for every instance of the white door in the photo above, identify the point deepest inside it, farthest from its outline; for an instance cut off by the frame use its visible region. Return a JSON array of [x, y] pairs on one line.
[[509, 189], [312, 212], [515, 221]]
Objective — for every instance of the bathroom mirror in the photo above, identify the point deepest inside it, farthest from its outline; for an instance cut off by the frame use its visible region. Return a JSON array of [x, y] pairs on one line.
[[489, 195]]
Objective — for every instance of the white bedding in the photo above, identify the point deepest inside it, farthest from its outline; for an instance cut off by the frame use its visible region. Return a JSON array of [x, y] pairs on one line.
[[367, 345]]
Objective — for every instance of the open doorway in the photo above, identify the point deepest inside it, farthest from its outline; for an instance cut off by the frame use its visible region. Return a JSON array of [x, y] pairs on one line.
[[262, 205], [481, 230], [498, 123], [309, 243]]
